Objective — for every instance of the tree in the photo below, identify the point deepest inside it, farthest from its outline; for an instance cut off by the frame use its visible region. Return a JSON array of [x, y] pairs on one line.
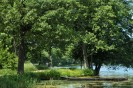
[[53, 24], [7, 58], [87, 29], [17, 19], [114, 21], [34, 23], [77, 53], [100, 27]]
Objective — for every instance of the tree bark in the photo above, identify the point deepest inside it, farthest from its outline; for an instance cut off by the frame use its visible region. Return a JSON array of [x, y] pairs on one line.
[[97, 69], [91, 61], [51, 63], [21, 55], [81, 63], [14, 46], [50, 58], [84, 48]]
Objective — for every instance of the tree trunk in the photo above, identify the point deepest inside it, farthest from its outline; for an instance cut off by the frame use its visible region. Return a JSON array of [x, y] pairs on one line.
[[84, 48], [91, 61], [21, 55], [50, 58], [14, 46], [81, 63], [51, 63], [97, 69]]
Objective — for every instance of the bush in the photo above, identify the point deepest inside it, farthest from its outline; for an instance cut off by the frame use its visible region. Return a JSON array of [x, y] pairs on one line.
[[41, 67], [32, 75], [48, 74], [54, 74], [88, 72], [71, 73], [8, 60], [29, 67], [44, 75], [7, 72]]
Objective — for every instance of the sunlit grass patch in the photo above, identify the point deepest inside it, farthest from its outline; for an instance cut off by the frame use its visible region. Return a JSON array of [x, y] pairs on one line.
[[7, 72], [28, 66], [58, 73], [71, 73]]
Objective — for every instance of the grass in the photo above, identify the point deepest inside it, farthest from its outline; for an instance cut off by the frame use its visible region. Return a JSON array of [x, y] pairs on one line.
[[58, 73], [55, 73], [17, 81], [71, 73], [75, 72], [28, 66], [7, 72], [10, 79]]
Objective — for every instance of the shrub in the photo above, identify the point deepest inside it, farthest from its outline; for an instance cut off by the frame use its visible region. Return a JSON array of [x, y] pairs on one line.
[[53, 74], [7, 72], [32, 75], [41, 67], [88, 72], [8, 60], [29, 67], [71, 73], [43, 75], [46, 75]]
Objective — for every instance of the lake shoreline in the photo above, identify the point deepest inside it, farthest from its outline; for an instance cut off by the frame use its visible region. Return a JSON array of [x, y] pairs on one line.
[[93, 79]]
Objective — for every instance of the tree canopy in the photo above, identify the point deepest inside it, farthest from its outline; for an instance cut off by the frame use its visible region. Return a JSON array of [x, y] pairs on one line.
[[95, 31]]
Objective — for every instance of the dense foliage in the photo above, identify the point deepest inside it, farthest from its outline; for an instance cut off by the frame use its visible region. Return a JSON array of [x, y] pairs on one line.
[[55, 31]]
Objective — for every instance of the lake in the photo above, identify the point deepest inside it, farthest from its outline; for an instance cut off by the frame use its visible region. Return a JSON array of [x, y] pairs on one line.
[[116, 71], [105, 71]]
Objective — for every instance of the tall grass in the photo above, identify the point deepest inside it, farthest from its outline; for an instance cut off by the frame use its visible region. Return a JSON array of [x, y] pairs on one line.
[[58, 73], [75, 72], [46, 75], [10, 79], [71, 73], [17, 81]]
